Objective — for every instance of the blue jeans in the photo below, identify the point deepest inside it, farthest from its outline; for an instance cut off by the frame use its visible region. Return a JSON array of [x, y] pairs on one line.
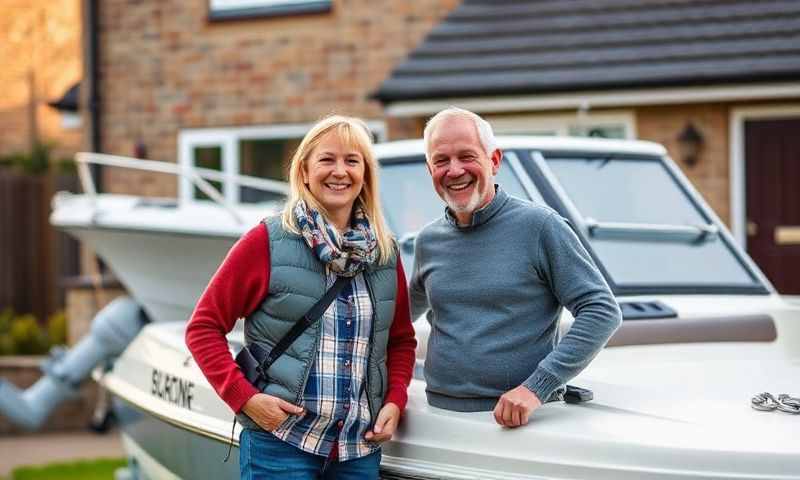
[[264, 456]]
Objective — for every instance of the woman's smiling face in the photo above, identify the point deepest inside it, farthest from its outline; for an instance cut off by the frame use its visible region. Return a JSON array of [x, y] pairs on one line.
[[334, 173]]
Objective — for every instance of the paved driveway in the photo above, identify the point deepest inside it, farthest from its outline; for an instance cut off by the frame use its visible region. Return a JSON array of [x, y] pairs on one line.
[[43, 448]]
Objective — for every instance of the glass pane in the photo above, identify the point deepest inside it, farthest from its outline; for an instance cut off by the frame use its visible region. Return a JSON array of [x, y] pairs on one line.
[[667, 263], [211, 158], [265, 159], [409, 200], [641, 191], [632, 191]]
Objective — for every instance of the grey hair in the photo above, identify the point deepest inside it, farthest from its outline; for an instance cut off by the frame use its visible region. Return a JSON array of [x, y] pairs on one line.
[[485, 133]]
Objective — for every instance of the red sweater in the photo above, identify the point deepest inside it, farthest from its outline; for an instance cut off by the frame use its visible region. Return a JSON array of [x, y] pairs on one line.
[[238, 288]]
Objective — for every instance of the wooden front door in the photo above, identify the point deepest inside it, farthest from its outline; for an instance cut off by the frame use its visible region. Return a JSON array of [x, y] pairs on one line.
[[772, 166]]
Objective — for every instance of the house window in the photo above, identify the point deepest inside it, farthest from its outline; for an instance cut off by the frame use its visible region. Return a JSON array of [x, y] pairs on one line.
[[70, 120], [238, 9], [616, 124], [262, 152], [207, 157]]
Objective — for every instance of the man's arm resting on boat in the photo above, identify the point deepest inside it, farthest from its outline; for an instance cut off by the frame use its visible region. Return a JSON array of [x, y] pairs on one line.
[[580, 287]]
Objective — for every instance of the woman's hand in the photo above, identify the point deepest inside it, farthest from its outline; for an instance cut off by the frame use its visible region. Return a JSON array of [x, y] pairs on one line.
[[385, 425], [268, 411]]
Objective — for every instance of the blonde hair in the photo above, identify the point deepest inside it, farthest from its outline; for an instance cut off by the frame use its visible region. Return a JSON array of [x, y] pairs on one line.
[[353, 133]]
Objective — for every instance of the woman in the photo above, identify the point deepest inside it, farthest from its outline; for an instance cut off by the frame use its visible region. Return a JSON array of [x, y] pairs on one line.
[[339, 389]]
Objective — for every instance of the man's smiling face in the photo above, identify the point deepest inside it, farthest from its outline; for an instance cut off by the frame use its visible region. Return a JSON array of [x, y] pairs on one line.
[[462, 172]]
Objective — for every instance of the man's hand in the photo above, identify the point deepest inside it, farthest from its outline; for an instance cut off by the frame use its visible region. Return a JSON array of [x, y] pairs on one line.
[[268, 411], [385, 425], [515, 407]]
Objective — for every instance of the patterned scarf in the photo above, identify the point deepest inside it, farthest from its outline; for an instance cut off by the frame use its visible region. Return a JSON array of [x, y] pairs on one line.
[[345, 254]]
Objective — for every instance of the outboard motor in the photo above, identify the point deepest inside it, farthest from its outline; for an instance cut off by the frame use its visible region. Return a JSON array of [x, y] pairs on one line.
[[113, 328]]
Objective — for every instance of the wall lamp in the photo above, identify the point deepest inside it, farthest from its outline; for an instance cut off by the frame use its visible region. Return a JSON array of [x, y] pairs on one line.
[[690, 143]]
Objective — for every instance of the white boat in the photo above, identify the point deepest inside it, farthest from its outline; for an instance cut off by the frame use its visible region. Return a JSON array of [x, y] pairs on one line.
[[704, 330]]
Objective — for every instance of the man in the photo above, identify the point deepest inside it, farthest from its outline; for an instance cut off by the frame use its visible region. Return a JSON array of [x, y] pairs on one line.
[[493, 274]]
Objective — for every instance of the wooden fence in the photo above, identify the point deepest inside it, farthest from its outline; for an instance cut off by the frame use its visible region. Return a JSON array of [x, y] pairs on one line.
[[34, 257]]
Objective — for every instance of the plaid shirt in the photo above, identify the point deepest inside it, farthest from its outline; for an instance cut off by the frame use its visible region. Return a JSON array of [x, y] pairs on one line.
[[335, 396]]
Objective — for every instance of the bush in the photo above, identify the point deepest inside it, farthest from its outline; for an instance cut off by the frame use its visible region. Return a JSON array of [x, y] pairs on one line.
[[22, 334], [57, 328], [34, 162], [28, 337], [65, 166], [6, 345]]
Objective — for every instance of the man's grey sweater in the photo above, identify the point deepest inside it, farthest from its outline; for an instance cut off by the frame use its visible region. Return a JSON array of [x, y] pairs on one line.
[[495, 290]]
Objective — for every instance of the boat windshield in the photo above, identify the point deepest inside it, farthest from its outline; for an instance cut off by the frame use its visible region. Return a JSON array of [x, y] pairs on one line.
[[643, 226]]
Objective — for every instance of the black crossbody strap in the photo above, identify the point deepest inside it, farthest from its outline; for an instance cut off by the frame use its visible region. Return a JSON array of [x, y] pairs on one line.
[[309, 318]]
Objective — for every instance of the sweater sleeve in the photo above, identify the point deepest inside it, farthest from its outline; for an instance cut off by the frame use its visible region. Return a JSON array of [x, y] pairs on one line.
[[236, 289], [400, 354], [418, 296], [580, 287]]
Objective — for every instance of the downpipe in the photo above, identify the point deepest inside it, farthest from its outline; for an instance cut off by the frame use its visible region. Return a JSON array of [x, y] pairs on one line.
[[113, 328]]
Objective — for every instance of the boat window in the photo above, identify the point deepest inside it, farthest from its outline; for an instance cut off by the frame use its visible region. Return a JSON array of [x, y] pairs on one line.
[[410, 202], [643, 225]]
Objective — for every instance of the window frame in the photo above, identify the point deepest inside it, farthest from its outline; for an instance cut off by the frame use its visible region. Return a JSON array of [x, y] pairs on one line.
[[228, 138], [561, 124]]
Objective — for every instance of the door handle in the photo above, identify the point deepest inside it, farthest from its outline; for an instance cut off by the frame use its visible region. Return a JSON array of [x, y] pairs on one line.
[[787, 235], [752, 228]]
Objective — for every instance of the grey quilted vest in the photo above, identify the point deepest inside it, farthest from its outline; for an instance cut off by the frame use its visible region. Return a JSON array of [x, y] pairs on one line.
[[297, 280]]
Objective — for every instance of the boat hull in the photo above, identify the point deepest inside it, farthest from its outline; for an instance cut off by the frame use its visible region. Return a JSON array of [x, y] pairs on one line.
[[169, 279], [163, 450], [660, 412]]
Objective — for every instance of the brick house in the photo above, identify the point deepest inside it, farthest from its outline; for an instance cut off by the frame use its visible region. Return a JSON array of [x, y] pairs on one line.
[[226, 84], [40, 50], [40, 45]]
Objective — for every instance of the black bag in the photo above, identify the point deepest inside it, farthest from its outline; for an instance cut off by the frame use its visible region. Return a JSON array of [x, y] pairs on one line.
[[255, 360], [251, 368]]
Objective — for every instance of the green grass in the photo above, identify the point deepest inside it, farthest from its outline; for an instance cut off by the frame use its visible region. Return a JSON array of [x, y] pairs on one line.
[[101, 469]]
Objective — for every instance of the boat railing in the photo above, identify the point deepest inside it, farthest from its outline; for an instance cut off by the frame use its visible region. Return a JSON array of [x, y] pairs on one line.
[[199, 177]]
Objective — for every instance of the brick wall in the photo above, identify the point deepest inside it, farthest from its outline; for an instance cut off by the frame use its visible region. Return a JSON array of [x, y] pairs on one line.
[[165, 67], [41, 58], [400, 128], [710, 175]]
